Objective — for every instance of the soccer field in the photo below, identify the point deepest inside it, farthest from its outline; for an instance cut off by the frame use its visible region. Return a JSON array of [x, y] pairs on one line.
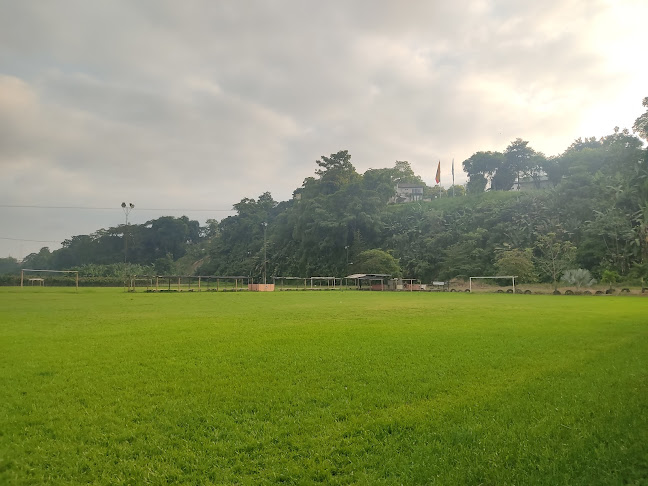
[[101, 386]]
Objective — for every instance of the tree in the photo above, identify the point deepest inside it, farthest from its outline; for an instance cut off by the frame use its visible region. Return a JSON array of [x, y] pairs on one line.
[[167, 235], [608, 240], [481, 167], [580, 144], [578, 277], [40, 261], [518, 263], [519, 160], [381, 182], [237, 249], [583, 161], [476, 184], [9, 265], [623, 153], [164, 265], [402, 172], [641, 124], [609, 277], [210, 229], [338, 162], [640, 219], [377, 261], [120, 270], [466, 257], [554, 170], [640, 271], [553, 256], [457, 190], [335, 171]]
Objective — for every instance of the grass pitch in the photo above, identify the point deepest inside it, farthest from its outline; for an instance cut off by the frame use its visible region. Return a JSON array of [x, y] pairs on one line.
[[105, 387]]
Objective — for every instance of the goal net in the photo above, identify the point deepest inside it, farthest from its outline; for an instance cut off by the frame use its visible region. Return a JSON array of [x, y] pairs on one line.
[[53, 278], [497, 283]]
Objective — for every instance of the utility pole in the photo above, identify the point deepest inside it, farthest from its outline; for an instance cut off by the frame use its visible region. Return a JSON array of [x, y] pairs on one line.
[[265, 225], [127, 209]]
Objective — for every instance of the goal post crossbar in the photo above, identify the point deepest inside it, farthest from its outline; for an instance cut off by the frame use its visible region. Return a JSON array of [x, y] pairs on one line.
[[512, 277], [22, 274]]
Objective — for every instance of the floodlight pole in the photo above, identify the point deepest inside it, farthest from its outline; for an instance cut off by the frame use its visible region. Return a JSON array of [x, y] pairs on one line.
[[127, 209], [265, 225]]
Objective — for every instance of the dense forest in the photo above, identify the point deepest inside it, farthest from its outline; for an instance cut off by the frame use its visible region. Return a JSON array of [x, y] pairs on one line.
[[589, 211]]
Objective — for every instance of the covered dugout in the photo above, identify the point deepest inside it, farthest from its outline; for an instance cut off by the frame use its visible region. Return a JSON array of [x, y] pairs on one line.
[[371, 281]]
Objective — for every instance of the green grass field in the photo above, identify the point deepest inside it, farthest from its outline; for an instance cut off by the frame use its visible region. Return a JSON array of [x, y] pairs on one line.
[[107, 387]]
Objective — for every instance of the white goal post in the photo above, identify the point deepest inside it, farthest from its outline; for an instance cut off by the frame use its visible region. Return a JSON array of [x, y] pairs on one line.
[[512, 277], [22, 275]]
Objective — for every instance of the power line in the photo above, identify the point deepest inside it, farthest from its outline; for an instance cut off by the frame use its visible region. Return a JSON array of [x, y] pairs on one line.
[[24, 239], [23, 206]]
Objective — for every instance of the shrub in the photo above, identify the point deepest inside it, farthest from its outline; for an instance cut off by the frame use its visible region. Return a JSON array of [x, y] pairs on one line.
[[578, 277]]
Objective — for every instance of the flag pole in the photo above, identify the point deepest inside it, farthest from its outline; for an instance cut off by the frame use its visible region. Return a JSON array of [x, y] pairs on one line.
[[452, 176]]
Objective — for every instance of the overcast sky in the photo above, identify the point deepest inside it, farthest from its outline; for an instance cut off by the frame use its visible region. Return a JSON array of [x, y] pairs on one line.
[[197, 104]]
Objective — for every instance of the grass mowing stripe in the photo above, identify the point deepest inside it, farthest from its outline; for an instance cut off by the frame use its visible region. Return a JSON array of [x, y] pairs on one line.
[[336, 387]]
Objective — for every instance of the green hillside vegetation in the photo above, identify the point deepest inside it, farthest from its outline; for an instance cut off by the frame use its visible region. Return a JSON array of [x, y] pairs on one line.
[[589, 211]]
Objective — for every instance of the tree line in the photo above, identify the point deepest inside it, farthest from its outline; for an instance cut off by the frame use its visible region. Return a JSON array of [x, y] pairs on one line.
[[592, 213]]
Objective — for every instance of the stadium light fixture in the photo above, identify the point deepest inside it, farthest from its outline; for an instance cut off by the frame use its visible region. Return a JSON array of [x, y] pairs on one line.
[[127, 209]]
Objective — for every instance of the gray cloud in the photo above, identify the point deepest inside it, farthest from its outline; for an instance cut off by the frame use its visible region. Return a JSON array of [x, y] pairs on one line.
[[198, 104]]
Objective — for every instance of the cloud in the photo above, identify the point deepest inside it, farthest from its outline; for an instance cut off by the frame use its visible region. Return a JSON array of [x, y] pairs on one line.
[[202, 103]]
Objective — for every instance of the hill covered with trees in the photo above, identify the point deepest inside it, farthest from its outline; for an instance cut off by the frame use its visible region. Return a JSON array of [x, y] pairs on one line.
[[590, 211]]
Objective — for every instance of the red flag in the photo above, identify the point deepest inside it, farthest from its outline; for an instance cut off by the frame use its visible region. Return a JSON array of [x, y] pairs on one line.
[[438, 174]]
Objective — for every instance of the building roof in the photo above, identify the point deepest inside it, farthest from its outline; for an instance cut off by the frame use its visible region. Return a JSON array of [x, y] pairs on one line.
[[406, 185], [368, 276]]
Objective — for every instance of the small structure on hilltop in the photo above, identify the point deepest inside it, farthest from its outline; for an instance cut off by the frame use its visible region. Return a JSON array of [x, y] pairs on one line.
[[532, 184], [408, 192]]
